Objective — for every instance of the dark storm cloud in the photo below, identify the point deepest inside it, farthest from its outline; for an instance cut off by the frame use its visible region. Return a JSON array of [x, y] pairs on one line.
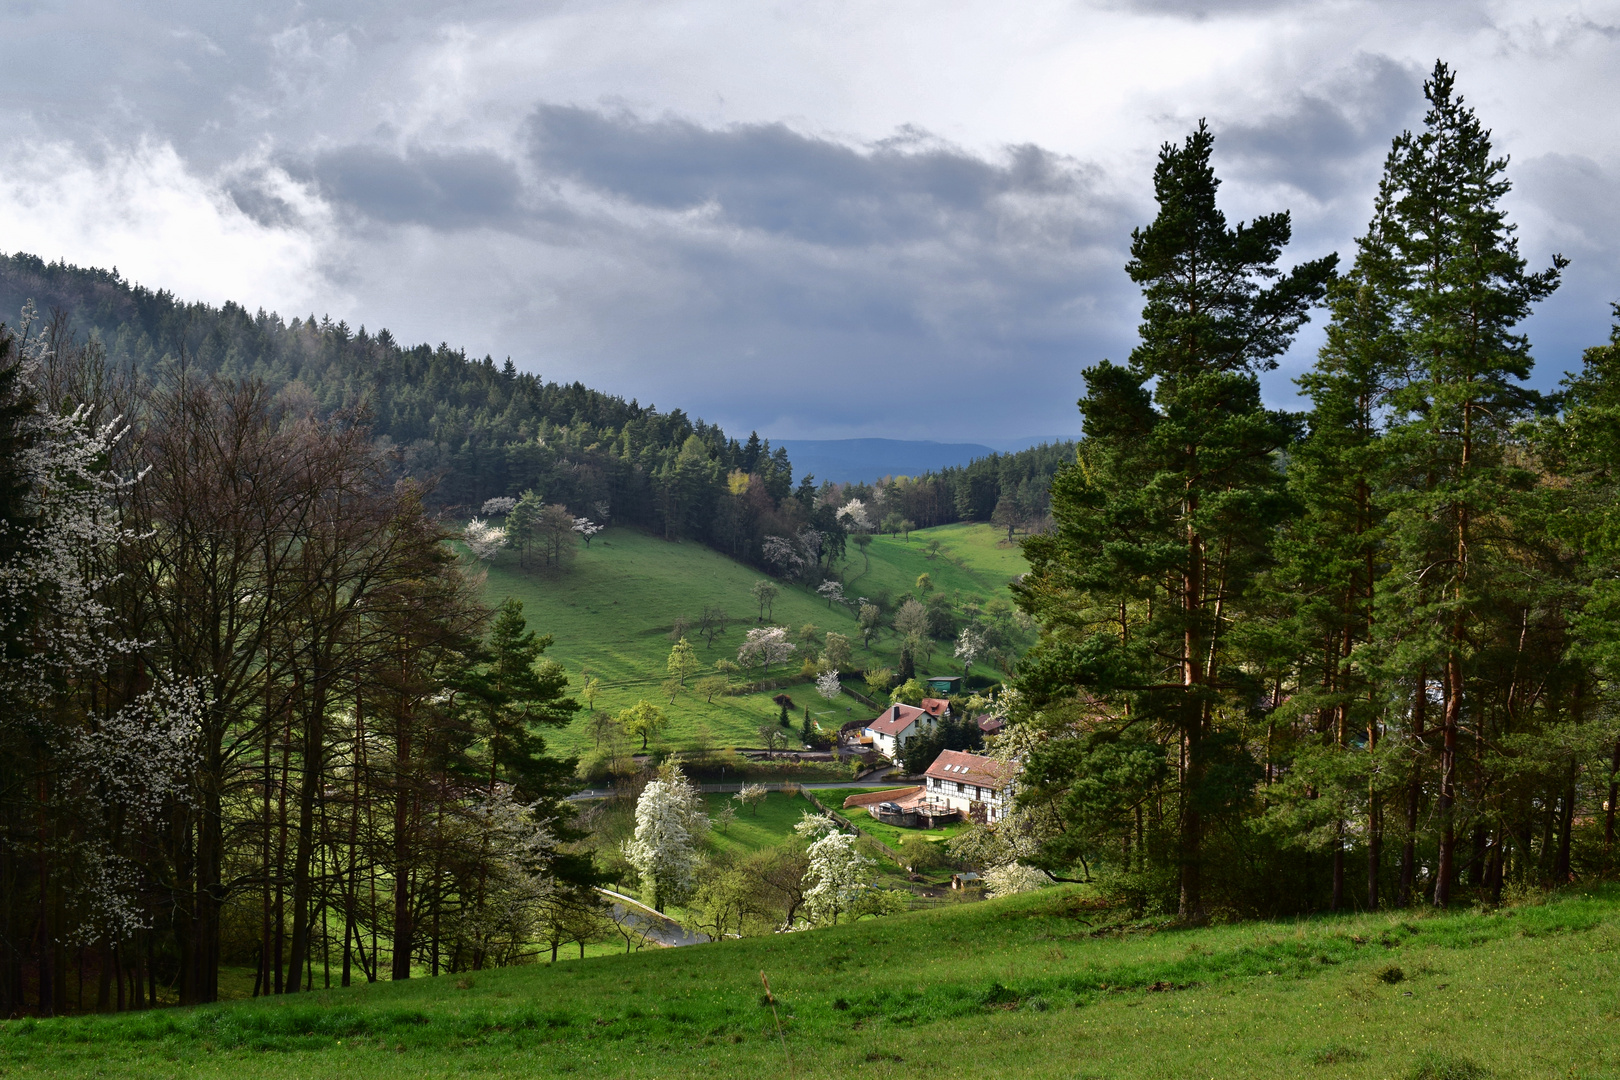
[[1574, 198], [1321, 143], [444, 190], [770, 178]]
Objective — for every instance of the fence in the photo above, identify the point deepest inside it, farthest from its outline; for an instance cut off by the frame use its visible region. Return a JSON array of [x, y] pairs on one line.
[[854, 828], [858, 696]]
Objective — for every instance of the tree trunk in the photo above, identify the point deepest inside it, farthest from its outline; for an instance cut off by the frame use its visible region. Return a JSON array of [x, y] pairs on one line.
[[1375, 821], [1566, 814], [1448, 777], [1414, 792], [313, 773], [1609, 807], [403, 930], [1192, 721]]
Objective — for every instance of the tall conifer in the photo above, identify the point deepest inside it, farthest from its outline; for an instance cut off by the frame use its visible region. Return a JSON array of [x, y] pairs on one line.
[[1165, 522], [1458, 287], [1329, 561]]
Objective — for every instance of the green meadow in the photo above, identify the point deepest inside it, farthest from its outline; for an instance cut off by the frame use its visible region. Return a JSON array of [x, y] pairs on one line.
[[768, 824], [1049, 984], [611, 613]]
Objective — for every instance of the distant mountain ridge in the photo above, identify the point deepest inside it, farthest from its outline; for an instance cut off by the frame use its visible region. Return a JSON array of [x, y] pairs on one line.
[[846, 461]]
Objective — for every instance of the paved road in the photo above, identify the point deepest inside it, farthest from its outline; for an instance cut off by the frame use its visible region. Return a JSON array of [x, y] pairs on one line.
[[657, 928], [870, 781]]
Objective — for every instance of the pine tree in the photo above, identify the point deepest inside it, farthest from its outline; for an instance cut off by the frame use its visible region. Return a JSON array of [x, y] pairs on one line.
[[1457, 286], [1166, 520], [1584, 449], [518, 691], [1329, 556]]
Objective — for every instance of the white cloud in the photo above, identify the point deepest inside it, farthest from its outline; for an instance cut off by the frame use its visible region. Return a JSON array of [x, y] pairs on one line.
[[141, 209]]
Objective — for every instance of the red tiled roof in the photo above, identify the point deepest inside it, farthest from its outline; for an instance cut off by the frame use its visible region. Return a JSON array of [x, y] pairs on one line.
[[971, 769], [895, 719], [934, 706]]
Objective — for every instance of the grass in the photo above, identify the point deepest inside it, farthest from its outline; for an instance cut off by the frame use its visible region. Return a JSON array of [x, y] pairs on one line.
[[611, 615], [767, 825], [973, 560], [1041, 985], [894, 834]]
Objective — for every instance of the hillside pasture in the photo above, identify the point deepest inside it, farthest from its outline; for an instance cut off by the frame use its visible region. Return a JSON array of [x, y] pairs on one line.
[[612, 611], [1045, 985]]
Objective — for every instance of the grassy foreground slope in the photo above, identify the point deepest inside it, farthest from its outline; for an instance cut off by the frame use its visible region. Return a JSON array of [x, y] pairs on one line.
[[611, 614], [1032, 986]]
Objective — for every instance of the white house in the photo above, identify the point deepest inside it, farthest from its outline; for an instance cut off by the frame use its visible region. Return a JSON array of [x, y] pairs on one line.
[[899, 724], [980, 787]]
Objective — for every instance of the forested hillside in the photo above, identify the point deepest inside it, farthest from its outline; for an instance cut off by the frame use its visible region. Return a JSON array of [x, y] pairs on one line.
[[477, 429]]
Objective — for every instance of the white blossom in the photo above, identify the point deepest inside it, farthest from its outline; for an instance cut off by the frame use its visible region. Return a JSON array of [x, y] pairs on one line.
[[670, 824], [828, 686], [783, 554], [483, 539], [837, 877], [832, 592], [854, 517], [500, 504], [59, 555], [752, 794], [586, 527], [143, 755], [815, 826], [765, 646], [1011, 878], [970, 645]]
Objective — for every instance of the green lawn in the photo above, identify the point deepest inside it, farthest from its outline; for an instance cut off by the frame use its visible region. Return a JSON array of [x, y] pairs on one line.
[[894, 834], [612, 611], [768, 824], [1042, 985], [973, 560]]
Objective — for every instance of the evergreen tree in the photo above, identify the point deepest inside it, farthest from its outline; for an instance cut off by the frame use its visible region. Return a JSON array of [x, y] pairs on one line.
[[518, 691], [1166, 520], [1457, 287], [1329, 561]]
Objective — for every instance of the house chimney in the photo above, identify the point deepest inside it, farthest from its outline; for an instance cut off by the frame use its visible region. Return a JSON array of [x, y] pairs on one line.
[[897, 712]]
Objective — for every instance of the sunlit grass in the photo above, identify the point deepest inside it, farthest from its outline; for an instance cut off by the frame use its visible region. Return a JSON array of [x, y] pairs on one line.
[[611, 614], [1045, 985]]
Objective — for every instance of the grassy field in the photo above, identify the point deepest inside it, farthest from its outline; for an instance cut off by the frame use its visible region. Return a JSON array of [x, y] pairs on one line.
[[611, 615], [973, 560], [1041, 985], [768, 824], [894, 834]]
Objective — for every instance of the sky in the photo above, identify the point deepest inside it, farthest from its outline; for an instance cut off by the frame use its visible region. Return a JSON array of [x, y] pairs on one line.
[[815, 219]]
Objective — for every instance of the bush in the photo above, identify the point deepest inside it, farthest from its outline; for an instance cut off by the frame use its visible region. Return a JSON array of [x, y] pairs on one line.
[[921, 854], [594, 766]]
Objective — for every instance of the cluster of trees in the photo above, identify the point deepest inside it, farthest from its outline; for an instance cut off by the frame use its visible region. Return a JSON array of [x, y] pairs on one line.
[[958, 731], [254, 712], [1009, 490], [815, 879], [1278, 647]]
